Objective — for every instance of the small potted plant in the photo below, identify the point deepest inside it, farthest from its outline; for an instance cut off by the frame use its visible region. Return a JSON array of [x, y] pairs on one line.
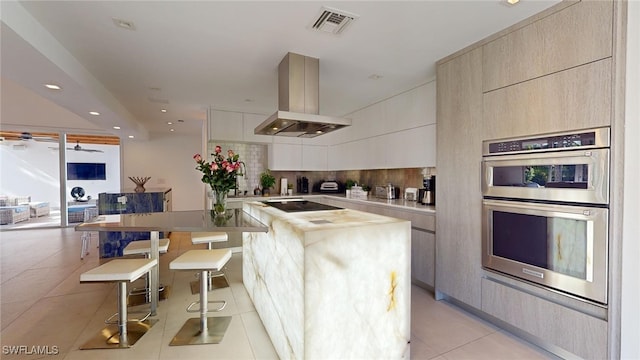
[[289, 189], [267, 180], [348, 185]]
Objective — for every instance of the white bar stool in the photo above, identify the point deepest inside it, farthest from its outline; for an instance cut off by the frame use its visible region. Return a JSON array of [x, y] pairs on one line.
[[202, 330], [125, 333], [89, 213], [143, 247], [216, 280]]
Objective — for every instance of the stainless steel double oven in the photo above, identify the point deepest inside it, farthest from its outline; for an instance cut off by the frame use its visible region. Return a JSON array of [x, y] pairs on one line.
[[546, 210]]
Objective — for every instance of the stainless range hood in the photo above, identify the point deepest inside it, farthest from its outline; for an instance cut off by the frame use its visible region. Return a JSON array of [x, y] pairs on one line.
[[297, 115]]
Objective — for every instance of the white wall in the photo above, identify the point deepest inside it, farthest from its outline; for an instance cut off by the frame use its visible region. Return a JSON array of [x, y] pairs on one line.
[[168, 160], [31, 168], [630, 296]]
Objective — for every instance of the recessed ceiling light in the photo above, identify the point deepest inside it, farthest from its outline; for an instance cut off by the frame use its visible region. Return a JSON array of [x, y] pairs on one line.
[[171, 130], [125, 24], [163, 110], [131, 136], [169, 123], [513, 2], [52, 86], [117, 127], [94, 113]]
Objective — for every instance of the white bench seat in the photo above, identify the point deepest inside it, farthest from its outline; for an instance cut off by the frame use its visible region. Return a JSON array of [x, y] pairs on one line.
[[119, 270], [211, 260], [202, 330], [142, 247], [208, 237]]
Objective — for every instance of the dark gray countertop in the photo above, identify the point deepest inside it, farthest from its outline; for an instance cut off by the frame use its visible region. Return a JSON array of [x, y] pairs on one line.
[[235, 220]]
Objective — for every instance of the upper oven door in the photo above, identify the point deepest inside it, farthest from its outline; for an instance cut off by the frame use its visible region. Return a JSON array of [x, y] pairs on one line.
[[580, 176]]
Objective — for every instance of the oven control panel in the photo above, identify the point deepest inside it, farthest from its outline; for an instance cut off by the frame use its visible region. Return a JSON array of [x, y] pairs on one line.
[[566, 141]]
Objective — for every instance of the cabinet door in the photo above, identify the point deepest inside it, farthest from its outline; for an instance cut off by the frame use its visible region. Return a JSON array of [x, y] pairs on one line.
[[250, 121], [412, 108], [423, 257], [574, 331], [225, 126], [577, 98], [458, 223], [411, 148], [576, 35], [314, 157], [285, 156]]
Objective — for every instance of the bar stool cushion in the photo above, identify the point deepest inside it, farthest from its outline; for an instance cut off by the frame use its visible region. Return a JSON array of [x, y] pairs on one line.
[[208, 237], [119, 270], [212, 260], [141, 247]]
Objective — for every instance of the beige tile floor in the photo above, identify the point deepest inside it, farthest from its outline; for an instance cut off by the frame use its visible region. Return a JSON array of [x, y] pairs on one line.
[[43, 304]]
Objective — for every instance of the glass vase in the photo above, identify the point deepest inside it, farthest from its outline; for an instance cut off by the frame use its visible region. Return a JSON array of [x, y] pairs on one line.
[[220, 202]]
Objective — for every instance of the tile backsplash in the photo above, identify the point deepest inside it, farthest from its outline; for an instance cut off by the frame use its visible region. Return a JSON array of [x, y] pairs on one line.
[[402, 178], [254, 157]]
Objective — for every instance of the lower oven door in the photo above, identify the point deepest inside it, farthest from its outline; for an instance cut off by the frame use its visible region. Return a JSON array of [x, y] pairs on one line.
[[558, 246]]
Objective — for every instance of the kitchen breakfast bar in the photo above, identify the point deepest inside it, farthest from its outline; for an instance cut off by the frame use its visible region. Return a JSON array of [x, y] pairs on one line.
[[326, 284], [331, 284]]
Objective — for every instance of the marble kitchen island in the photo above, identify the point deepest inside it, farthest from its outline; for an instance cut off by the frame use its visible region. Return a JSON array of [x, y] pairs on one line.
[[332, 284]]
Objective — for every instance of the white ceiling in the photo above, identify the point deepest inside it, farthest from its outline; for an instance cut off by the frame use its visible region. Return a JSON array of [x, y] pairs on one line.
[[224, 54]]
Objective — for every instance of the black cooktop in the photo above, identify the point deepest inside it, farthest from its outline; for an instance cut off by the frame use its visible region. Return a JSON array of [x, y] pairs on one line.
[[300, 205]]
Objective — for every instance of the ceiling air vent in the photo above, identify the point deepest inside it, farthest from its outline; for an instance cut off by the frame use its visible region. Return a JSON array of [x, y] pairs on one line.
[[333, 21]]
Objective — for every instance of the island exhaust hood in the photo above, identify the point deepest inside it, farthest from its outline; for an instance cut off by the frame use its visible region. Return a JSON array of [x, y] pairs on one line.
[[297, 115]]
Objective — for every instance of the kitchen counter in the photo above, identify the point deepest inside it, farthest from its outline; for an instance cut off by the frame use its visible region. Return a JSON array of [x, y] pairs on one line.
[[330, 284], [396, 203]]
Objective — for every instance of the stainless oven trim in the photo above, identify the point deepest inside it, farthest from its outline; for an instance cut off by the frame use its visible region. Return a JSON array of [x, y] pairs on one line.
[[602, 140], [598, 182], [596, 289]]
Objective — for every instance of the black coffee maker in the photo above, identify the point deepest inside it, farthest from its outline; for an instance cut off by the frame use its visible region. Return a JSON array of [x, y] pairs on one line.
[[303, 185], [427, 195]]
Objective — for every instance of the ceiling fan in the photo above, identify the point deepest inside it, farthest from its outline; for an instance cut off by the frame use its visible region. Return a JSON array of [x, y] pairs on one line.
[[29, 136], [77, 147]]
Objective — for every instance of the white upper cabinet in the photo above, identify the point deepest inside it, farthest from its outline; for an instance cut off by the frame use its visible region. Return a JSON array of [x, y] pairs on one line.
[[236, 126], [411, 109], [314, 157], [394, 133], [284, 156], [250, 121], [225, 125]]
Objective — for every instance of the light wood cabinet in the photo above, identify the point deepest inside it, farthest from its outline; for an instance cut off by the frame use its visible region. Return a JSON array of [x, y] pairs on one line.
[[577, 98], [576, 35], [423, 257], [423, 247], [458, 159], [574, 331]]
